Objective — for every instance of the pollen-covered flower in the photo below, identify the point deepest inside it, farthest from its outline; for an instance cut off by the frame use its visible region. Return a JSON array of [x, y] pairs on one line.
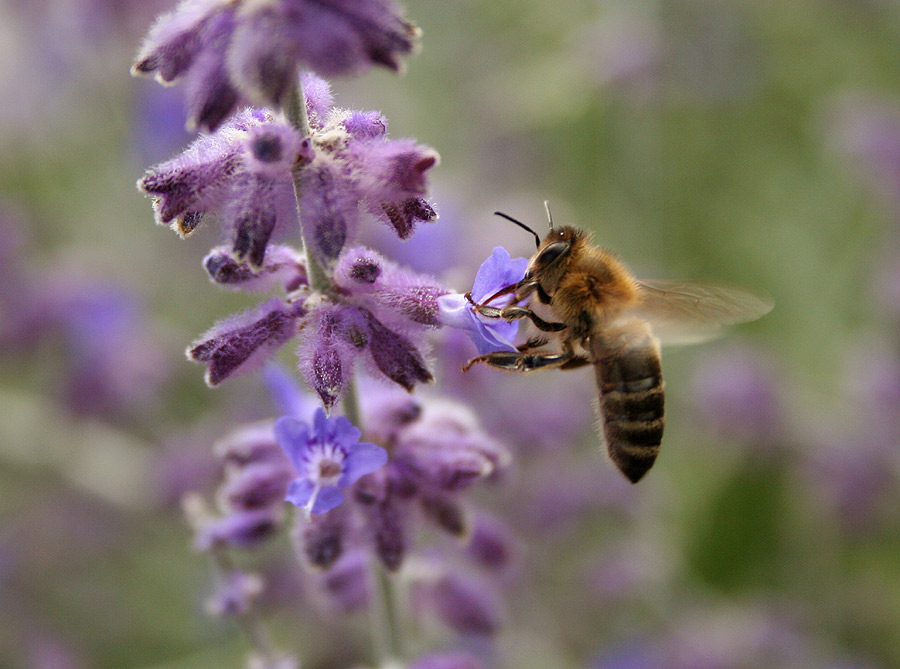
[[457, 311], [233, 51], [328, 457]]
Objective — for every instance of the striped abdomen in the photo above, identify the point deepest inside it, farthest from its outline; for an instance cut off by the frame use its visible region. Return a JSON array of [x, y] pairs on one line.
[[627, 363]]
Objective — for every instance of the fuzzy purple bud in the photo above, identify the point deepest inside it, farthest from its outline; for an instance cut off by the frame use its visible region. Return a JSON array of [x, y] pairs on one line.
[[283, 267], [336, 336], [244, 341], [464, 605], [491, 543], [445, 512], [347, 582], [236, 595], [395, 356], [447, 449], [257, 485], [365, 124], [241, 529], [320, 540], [329, 209], [250, 444]]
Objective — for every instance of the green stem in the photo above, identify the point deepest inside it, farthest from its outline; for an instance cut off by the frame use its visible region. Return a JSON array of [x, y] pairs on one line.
[[386, 637], [250, 623], [295, 112]]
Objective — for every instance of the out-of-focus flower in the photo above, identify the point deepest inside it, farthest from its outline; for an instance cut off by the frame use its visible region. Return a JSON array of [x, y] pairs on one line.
[[489, 334], [328, 457], [236, 594], [229, 52], [736, 390], [447, 661]]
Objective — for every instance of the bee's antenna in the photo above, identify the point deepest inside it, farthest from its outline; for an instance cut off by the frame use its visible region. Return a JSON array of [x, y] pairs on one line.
[[537, 239], [549, 215]]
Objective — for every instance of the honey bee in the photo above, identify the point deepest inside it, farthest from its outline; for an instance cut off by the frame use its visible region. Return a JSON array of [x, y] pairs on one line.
[[588, 309]]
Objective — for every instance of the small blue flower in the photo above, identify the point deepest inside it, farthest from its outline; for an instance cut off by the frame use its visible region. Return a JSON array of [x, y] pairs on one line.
[[489, 334], [328, 457]]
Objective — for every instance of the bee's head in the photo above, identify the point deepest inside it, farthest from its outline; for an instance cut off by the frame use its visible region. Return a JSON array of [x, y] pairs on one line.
[[549, 263]]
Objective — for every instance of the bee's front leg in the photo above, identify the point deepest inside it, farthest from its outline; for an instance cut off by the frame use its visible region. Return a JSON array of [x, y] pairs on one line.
[[511, 312]]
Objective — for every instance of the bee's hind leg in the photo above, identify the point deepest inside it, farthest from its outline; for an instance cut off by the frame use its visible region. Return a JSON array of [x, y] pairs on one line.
[[518, 361]]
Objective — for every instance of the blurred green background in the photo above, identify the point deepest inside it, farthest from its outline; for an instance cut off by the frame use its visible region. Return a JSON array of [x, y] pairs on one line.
[[752, 143]]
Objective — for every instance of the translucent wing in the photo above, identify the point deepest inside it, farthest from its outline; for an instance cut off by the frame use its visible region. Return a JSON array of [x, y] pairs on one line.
[[686, 312]]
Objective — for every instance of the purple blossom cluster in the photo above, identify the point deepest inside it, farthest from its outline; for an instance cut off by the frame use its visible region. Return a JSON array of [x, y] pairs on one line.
[[312, 175], [230, 53]]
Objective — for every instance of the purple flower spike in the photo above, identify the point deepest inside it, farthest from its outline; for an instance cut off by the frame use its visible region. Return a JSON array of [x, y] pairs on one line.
[[488, 334], [243, 342], [328, 457]]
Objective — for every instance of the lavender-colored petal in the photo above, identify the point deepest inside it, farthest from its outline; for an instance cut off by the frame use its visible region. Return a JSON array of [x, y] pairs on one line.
[[358, 270], [338, 37], [342, 432], [299, 492], [191, 184], [327, 499], [364, 458], [455, 311], [498, 271], [243, 342], [488, 334], [293, 435], [393, 171]]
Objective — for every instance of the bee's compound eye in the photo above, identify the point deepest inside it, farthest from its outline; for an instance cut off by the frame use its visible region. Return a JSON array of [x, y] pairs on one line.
[[552, 252]]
